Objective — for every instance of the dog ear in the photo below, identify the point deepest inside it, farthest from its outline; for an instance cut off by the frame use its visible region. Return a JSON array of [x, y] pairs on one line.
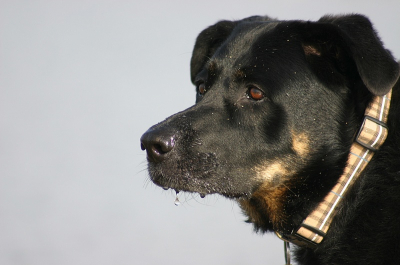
[[207, 43], [353, 38], [210, 39]]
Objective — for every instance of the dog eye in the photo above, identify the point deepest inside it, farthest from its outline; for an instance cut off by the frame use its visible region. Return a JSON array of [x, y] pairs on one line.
[[201, 88], [255, 93]]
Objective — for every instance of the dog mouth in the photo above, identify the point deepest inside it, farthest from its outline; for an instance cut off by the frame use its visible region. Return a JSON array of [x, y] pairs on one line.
[[195, 174], [198, 186], [178, 185], [202, 195]]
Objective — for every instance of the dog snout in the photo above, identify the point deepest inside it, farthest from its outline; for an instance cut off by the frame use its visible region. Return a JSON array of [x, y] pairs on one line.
[[157, 143]]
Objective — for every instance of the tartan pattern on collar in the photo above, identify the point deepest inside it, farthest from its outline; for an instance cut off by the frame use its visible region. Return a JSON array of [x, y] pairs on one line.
[[371, 136]]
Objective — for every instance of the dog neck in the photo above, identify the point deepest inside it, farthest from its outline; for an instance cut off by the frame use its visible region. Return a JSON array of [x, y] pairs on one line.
[[371, 136]]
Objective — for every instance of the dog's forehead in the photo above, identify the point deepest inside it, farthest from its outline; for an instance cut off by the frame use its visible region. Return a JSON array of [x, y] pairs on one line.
[[246, 35], [249, 44], [242, 39]]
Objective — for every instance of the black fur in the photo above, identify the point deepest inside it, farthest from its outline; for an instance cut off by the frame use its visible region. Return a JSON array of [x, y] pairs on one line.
[[278, 104]]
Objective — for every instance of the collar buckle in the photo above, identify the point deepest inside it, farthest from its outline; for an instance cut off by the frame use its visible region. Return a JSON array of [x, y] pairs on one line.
[[297, 239], [371, 133]]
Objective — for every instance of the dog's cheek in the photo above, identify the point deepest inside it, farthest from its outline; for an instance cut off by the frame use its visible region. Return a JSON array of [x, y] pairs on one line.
[[275, 171], [272, 174], [301, 144], [266, 206]]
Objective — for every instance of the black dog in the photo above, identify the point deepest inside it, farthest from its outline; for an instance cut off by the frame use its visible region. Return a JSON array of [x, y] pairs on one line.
[[278, 108]]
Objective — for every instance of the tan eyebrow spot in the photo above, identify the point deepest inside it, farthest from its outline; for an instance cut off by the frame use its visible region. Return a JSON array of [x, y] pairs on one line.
[[239, 74], [212, 66], [310, 50]]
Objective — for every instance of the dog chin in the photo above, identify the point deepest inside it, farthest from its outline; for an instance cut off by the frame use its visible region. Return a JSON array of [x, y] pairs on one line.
[[174, 184]]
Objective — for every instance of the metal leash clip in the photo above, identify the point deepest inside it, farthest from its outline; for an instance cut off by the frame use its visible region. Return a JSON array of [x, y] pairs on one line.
[[287, 252]]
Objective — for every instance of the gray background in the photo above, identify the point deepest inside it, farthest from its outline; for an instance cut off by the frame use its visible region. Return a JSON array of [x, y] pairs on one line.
[[80, 81]]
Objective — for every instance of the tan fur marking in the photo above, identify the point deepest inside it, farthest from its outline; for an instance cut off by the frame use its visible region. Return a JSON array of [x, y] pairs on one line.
[[301, 144], [273, 199], [310, 50], [271, 193], [271, 171], [212, 66], [275, 177], [239, 74]]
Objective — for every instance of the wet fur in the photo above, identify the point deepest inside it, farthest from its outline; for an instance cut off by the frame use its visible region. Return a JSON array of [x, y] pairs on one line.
[[279, 156]]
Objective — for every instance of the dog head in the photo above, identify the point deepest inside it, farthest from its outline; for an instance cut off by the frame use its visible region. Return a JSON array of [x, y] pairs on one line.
[[277, 107]]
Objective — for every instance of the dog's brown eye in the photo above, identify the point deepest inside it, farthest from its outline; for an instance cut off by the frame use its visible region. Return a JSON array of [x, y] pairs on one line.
[[202, 89], [255, 93]]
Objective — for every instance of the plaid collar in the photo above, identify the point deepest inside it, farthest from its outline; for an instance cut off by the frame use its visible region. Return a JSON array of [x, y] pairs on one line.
[[370, 137]]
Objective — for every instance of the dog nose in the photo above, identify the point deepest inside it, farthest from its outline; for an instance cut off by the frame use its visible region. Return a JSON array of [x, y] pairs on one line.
[[157, 143]]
